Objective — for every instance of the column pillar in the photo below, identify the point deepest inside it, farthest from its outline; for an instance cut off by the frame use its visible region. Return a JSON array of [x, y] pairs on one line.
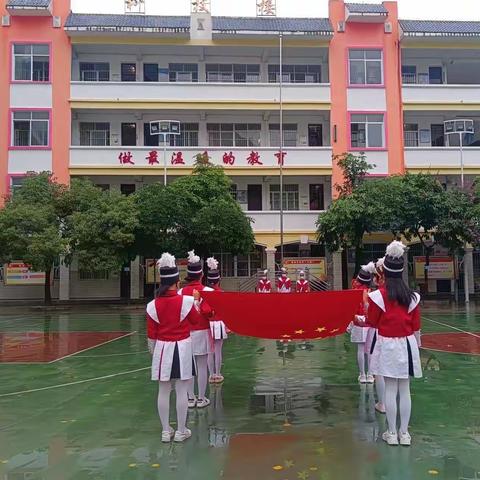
[[405, 269], [135, 279], [271, 263], [337, 270], [468, 266], [64, 287]]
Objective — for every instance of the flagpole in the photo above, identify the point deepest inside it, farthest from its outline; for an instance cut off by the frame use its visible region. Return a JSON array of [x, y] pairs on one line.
[[281, 146]]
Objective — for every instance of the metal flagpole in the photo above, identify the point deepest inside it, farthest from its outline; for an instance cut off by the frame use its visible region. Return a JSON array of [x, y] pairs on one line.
[[465, 271], [281, 147], [165, 159]]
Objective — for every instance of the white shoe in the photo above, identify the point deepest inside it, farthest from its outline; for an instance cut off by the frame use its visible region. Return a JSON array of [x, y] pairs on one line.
[[380, 408], [405, 439], [390, 438], [370, 379], [362, 378], [192, 402], [182, 436], [167, 435], [203, 402]]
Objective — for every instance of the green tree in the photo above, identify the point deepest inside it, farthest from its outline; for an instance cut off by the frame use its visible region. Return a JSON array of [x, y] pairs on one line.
[[195, 211], [32, 226], [354, 168], [44, 222]]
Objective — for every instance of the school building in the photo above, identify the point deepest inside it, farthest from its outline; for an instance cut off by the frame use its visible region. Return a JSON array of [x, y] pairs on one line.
[[79, 90]]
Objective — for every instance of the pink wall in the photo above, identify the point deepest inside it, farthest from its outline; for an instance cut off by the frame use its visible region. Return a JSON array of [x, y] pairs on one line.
[[39, 29]]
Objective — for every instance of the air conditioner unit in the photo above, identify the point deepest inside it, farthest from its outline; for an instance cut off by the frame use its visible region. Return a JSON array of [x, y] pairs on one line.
[[6, 21], [388, 27], [341, 27]]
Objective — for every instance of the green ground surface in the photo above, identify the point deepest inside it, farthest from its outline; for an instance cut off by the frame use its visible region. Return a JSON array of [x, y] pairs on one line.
[[308, 418]]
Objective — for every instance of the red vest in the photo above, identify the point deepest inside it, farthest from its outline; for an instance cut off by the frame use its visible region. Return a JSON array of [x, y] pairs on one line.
[[303, 286], [202, 316], [284, 284], [264, 286]]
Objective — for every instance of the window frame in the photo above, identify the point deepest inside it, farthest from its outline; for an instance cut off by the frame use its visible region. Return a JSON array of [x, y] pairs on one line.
[[12, 62], [90, 144], [366, 148], [96, 71], [223, 129], [364, 48], [193, 72], [12, 129], [275, 127], [290, 70], [273, 192], [232, 67]]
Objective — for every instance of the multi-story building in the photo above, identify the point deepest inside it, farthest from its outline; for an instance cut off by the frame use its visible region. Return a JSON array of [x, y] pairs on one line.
[[80, 90]]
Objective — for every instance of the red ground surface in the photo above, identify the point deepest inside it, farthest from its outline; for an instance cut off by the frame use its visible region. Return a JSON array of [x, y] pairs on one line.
[[452, 342], [40, 347]]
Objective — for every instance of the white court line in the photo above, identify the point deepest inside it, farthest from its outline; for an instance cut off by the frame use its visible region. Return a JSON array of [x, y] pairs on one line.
[[51, 387], [451, 326], [110, 355], [91, 348]]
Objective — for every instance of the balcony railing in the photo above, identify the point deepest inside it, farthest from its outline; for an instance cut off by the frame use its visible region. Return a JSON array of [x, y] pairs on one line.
[[186, 92], [178, 157], [410, 139], [436, 158]]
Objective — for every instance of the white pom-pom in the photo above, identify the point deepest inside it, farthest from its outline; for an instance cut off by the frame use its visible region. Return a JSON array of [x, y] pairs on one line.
[[192, 258], [370, 268], [265, 272], [212, 263], [284, 270], [396, 249], [166, 261], [380, 262], [301, 273]]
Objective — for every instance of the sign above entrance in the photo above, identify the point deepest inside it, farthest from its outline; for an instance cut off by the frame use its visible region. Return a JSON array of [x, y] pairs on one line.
[[440, 268]]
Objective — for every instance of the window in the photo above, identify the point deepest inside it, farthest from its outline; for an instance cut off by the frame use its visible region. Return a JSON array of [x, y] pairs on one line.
[[316, 196], [238, 73], [129, 72], [367, 131], [240, 265], [183, 72], [94, 72], [230, 135], [315, 136], [30, 129], [366, 67], [31, 63], [127, 189], [104, 187], [94, 275], [409, 74], [150, 72], [435, 75], [438, 134], [410, 134], [188, 136], [290, 197], [295, 73], [16, 183], [129, 134], [95, 134], [289, 135]]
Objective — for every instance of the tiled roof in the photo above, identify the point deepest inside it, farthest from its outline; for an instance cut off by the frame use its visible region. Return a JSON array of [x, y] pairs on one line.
[[80, 21], [119, 22], [369, 8], [431, 28], [28, 3], [272, 24]]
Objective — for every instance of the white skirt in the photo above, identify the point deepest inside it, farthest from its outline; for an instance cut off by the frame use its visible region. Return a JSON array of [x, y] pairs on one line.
[[173, 360], [202, 342], [396, 357], [359, 334], [219, 332]]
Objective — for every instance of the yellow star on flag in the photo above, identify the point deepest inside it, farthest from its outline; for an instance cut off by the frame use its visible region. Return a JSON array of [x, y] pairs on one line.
[[289, 463], [299, 332], [286, 336], [303, 475], [335, 330], [321, 329]]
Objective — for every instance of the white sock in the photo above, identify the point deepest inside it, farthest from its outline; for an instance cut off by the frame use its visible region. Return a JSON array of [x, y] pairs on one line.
[[361, 358], [211, 364], [380, 387], [391, 391], [202, 374], [181, 389], [218, 356], [405, 401], [163, 404]]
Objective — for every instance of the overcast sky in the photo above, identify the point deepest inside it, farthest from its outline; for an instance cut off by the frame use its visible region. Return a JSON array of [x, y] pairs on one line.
[[413, 9]]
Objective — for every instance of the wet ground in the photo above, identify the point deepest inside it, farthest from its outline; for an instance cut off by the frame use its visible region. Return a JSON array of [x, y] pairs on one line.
[[296, 413]]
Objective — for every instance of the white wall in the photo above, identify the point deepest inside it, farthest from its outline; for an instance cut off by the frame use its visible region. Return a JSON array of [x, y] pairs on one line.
[[30, 95], [366, 99], [22, 161]]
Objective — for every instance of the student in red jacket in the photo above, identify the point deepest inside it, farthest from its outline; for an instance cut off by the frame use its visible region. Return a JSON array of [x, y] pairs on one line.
[[219, 331], [284, 284], [394, 310], [302, 285], [264, 284], [202, 342], [169, 318]]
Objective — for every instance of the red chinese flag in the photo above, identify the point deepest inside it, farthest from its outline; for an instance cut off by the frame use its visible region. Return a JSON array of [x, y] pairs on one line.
[[281, 316]]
